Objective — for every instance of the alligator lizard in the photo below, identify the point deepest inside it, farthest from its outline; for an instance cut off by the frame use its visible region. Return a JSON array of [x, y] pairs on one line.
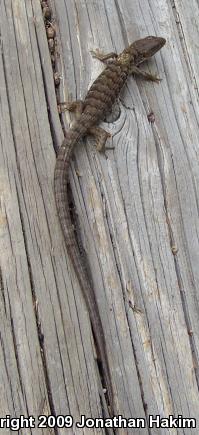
[[98, 101]]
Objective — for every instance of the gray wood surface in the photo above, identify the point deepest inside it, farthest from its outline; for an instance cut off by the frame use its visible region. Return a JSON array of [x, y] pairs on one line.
[[137, 209]]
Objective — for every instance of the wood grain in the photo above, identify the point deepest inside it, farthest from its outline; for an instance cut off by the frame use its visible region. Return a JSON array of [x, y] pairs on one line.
[[137, 210]]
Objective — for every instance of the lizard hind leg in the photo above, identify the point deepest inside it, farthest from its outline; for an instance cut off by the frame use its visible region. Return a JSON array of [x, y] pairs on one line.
[[100, 136]]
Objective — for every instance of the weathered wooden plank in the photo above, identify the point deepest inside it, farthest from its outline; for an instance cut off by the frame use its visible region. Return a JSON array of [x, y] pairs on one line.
[[137, 210], [60, 377], [125, 402], [22, 377], [136, 205]]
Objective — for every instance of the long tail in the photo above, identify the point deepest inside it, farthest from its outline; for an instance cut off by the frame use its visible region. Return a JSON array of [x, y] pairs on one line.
[[60, 187]]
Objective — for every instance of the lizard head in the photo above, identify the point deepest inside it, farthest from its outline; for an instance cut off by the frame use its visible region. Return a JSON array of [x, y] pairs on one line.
[[145, 48], [141, 50]]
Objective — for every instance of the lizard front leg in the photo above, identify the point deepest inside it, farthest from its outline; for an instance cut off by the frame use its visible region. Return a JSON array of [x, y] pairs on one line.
[[146, 76], [97, 54]]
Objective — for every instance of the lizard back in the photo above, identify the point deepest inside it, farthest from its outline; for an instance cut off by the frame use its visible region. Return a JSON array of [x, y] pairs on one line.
[[105, 90]]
